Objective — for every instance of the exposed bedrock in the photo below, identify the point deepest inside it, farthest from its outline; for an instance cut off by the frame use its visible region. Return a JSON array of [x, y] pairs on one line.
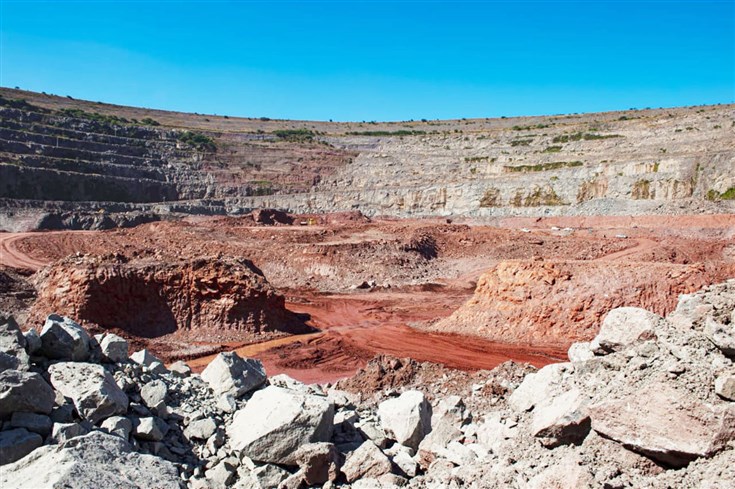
[[222, 298]]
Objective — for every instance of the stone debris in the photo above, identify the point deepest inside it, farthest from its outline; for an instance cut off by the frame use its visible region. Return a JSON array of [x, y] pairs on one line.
[[63, 339], [667, 426], [725, 386], [624, 326], [648, 403], [96, 460], [93, 390], [275, 422], [230, 374], [149, 360], [24, 392], [406, 419], [13, 344], [368, 461], [17, 443], [37, 423], [114, 348]]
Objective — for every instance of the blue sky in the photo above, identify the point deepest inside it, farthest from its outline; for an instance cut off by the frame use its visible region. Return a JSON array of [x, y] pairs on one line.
[[374, 60]]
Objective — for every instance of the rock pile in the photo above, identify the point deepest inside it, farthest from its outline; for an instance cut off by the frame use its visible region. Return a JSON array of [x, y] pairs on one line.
[[647, 403]]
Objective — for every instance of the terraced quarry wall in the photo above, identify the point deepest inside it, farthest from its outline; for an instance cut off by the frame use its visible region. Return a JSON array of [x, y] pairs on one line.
[[647, 161]]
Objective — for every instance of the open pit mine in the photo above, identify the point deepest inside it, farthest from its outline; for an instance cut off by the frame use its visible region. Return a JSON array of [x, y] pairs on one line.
[[200, 301]]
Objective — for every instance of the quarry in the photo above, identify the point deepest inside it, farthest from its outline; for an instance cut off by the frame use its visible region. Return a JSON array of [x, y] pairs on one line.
[[208, 301]]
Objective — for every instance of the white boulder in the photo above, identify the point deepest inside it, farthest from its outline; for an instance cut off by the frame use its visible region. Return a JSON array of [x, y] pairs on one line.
[[276, 421], [228, 373], [407, 418], [93, 390]]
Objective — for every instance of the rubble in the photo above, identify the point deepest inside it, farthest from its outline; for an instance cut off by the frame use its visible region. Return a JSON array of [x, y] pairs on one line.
[[650, 407]]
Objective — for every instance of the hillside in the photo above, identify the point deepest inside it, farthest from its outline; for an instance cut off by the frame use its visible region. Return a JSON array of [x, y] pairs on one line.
[[58, 154]]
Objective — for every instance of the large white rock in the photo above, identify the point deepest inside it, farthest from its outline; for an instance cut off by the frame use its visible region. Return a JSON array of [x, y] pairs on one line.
[[93, 390], [149, 360], [562, 419], [538, 386], [114, 348], [24, 391], [665, 424], [366, 462], [63, 339], [580, 352], [228, 373], [13, 353], [276, 421], [93, 461], [624, 326], [407, 418]]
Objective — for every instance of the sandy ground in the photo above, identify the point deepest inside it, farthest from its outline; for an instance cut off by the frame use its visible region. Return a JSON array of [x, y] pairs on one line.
[[318, 267]]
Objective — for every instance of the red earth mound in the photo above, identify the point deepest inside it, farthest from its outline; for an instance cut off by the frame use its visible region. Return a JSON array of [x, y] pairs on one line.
[[217, 299], [559, 302]]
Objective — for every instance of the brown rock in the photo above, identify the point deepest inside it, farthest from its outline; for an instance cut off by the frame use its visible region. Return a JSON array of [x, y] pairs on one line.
[[227, 297], [559, 302]]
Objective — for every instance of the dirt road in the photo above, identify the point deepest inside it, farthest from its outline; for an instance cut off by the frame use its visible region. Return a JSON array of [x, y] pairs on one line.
[[11, 257]]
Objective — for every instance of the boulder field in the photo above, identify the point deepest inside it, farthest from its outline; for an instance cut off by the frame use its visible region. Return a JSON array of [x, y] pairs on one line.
[[647, 403]]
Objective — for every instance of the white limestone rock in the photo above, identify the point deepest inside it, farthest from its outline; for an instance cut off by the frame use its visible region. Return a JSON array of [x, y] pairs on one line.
[[666, 425], [228, 373], [64, 339], [407, 418], [93, 390], [276, 421], [624, 326], [94, 461], [368, 461], [114, 348]]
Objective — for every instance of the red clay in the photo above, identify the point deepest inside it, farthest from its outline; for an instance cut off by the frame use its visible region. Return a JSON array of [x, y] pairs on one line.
[[424, 270]]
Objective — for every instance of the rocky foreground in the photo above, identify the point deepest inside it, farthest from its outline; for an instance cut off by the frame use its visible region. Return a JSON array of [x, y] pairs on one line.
[[647, 403]]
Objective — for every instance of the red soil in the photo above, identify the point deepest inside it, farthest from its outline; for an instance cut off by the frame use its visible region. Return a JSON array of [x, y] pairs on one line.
[[424, 271]]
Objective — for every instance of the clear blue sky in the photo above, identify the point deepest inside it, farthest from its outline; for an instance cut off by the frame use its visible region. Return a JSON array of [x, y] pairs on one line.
[[374, 60]]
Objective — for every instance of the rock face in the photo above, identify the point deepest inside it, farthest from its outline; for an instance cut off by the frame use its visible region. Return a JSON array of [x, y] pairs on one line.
[[553, 302], [89, 462], [95, 394], [226, 298], [668, 426], [276, 421], [610, 159], [406, 419], [230, 374]]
